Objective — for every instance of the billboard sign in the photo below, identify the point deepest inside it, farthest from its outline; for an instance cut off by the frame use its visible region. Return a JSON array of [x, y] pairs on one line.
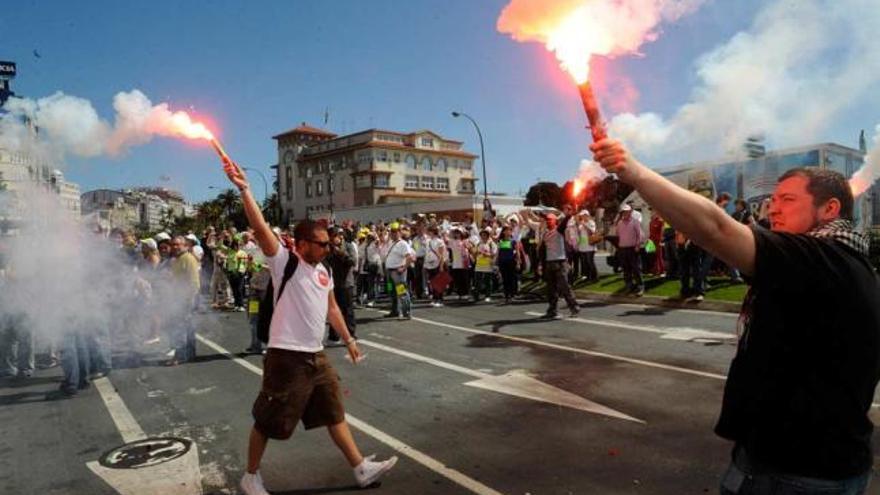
[[7, 69]]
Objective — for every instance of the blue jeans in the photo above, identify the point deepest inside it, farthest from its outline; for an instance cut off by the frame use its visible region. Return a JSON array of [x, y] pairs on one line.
[[100, 352], [16, 346], [400, 304], [183, 331], [75, 360], [741, 480]]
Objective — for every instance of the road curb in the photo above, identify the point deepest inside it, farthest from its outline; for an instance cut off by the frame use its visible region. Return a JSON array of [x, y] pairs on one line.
[[706, 305]]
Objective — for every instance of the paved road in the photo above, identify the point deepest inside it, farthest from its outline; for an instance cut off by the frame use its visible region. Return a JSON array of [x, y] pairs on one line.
[[477, 399]]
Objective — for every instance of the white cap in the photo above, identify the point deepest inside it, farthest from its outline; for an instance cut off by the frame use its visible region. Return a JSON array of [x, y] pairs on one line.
[[584, 212], [193, 238], [162, 236], [626, 207]]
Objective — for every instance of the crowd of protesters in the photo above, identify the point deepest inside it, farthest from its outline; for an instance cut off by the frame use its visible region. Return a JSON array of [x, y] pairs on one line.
[[428, 257]]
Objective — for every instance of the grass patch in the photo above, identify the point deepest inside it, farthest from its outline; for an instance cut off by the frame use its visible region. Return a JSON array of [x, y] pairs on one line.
[[721, 288]]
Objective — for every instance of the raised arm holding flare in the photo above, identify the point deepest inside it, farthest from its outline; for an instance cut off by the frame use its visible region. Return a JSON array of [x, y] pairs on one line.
[[265, 237], [799, 390]]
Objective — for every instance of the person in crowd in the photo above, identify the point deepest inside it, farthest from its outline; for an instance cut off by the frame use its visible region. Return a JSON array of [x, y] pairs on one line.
[[554, 266], [221, 296], [259, 278], [372, 268], [460, 256], [485, 254], [509, 262], [693, 285], [236, 268], [400, 256], [295, 345], [655, 235], [630, 240], [185, 287], [799, 390], [342, 261], [670, 252], [435, 262], [419, 242]]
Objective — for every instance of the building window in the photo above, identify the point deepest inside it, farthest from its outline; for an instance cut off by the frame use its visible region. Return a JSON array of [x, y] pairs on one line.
[[411, 162], [362, 181], [397, 158], [427, 142], [382, 156], [427, 182], [466, 165], [412, 182], [319, 188], [440, 165], [288, 181], [330, 188], [380, 180], [363, 157], [466, 186], [442, 184], [308, 189], [309, 172], [426, 163]]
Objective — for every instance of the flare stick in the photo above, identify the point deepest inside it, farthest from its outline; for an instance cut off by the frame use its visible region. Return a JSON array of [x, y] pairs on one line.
[[591, 108], [220, 151]]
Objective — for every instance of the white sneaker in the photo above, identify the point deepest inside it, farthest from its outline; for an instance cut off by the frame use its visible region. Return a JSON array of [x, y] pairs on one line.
[[371, 304], [252, 484], [368, 472], [488, 299]]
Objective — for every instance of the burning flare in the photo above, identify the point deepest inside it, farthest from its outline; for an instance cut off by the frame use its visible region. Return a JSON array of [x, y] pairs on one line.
[[180, 123], [575, 30], [865, 177]]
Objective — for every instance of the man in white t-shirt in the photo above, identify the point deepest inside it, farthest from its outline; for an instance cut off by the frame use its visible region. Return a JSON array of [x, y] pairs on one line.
[[298, 381], [400, 257]]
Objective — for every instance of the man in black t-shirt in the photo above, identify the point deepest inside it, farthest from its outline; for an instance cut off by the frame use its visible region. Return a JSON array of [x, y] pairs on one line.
[[801, 384]]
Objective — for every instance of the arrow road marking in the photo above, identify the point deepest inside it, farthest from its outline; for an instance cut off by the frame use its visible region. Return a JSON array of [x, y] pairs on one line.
[[516, 383], [416, 455], [181, 475]]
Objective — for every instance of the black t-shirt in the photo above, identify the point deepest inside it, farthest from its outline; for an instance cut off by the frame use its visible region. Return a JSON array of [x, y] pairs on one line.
[[808, 360]]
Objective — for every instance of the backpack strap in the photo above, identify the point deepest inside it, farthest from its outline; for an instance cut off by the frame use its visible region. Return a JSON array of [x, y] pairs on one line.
[[289, 270]]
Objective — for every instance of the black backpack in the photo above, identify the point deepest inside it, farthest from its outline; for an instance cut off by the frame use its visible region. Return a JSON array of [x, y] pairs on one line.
[[267, 305]]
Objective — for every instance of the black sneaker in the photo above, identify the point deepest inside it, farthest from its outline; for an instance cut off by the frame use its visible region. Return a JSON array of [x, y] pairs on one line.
[[573, 313], [391, 315]]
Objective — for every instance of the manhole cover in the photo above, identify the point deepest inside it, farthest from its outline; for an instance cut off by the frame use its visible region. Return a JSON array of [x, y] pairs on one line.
[[145, 453]]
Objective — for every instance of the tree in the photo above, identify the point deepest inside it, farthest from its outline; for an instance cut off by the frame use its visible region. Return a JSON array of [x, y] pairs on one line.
[[544, 193]]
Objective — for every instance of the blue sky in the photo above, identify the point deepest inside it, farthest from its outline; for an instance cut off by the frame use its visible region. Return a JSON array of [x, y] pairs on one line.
[[258, 68]]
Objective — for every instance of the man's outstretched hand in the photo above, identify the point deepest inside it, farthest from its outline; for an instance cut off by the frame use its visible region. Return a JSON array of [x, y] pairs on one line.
[[235, 174]]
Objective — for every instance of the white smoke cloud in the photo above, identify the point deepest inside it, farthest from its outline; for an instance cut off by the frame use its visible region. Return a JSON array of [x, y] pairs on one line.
[[787, 77], [71, 125], [870, 171]]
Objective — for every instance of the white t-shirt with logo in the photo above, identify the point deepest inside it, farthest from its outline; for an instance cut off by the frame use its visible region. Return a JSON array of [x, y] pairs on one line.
[[397, 254], [301, 314]]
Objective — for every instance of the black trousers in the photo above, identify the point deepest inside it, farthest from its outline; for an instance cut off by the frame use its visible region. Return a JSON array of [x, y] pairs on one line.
[[462, 280], [508, 277], [632, 267], [556, 276], [345, 301]]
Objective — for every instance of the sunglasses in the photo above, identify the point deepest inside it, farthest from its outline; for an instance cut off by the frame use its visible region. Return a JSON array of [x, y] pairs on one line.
[[323, 244]]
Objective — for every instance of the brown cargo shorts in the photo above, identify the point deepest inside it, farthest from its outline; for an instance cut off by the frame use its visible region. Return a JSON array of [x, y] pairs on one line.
[[296, 386]]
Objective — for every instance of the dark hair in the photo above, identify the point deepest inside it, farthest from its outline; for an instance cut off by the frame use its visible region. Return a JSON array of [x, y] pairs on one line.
[[741, 202], [725, 196], [824, 185], [305, 230]]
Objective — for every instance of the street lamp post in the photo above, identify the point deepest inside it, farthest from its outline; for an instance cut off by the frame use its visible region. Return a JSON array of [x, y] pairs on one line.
[[486, 205]]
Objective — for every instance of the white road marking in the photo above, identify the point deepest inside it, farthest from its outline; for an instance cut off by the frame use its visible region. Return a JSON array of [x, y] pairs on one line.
[[672, 333], [126, 424], [516, 383], [550, 345], [577, 350], [416, 455], [668, 308], [180, 476]]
